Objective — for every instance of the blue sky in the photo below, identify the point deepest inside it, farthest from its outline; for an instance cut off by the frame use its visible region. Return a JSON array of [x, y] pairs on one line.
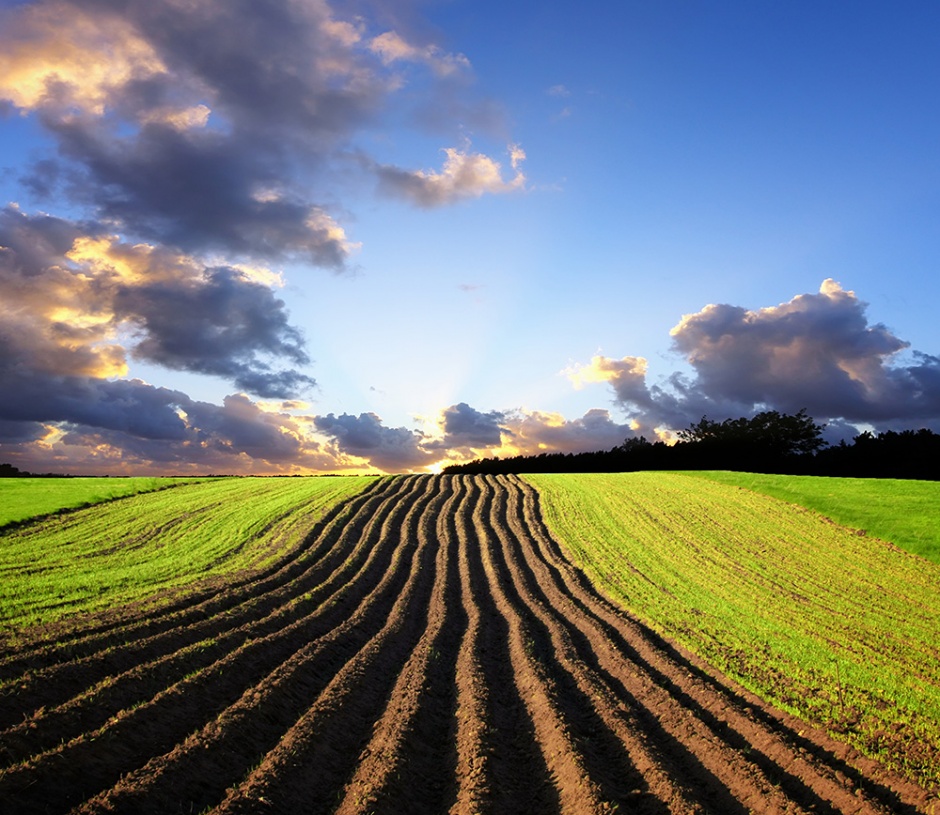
[[324, 237]]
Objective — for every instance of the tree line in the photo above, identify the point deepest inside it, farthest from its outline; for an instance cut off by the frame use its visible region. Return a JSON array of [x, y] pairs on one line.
[[769, 442], [9, 471]]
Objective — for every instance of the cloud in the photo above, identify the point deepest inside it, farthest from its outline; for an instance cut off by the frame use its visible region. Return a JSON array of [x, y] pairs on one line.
[[395, 449], [129, 427], [216, 323], [195, 146], [464, 433], [467, 433], [464, 175], [654, 408], [536, 432], [817, 351], [464, 426], [211, 127], [170, 133], [391, 47], [78, 300]]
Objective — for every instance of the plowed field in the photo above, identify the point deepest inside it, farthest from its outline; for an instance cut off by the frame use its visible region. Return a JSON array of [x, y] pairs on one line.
[[429, 651]]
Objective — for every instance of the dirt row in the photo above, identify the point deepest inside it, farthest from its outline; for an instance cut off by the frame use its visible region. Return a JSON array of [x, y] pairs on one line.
[[429, 649]]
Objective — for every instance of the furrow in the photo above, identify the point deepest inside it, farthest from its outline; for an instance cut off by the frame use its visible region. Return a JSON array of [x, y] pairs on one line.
[[501, 767], [409, 763], [91, 709], [427, 648], [605, 678], [75, 640], [474, 770], [309, 767], [693, 709], [53, 687], [536, 676], [78, 769]]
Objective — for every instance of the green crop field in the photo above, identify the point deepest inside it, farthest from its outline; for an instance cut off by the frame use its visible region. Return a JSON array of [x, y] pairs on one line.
[[23, 498], [128, 549], [901, 511], [831, 624]]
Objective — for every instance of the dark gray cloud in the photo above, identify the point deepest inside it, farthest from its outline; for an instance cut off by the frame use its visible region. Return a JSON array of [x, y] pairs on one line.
[[125, 405], [214, 126], [200, 191], [394, 449], [216, 324], [31, 244], [465, 426], [817, 351], [93, 425], [74, 296], [203, 126], [240, 426], [534, 432], [14, 432]]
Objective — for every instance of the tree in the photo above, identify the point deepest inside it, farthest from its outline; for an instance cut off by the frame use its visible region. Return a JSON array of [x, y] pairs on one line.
[[768, 433], [634, 443]]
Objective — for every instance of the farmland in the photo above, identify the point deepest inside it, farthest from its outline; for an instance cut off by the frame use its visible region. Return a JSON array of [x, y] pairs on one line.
[[904, 512], [832, 625], [424, 644], [126, 550], [23, 498]]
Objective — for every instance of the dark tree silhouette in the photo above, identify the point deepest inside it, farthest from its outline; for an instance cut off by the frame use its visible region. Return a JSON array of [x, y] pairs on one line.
[[772, 433], [769, 442]]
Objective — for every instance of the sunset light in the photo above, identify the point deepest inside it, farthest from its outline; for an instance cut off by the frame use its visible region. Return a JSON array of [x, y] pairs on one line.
[[340, 238]]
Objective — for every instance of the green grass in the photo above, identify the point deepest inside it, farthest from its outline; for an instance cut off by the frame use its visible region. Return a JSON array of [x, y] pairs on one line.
[[128, 549], [24, 498], [837, 627], [901, 511]]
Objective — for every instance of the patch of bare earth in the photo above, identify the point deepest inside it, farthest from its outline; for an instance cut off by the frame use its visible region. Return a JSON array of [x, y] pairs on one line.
[[428, 649]]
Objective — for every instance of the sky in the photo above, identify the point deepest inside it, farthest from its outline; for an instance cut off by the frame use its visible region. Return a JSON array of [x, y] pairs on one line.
[[299, 236]]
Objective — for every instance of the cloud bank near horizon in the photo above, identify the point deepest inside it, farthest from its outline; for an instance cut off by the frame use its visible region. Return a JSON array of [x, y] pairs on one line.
[[817, 351], [194, 149]]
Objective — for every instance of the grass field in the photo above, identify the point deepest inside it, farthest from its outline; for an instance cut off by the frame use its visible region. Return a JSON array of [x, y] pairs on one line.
[[23, 498], [429, 649], [836, 626], [126, 550], [901, 511]]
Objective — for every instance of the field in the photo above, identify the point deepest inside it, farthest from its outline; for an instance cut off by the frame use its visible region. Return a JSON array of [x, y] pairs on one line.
[[428, 647], [22, 498], [129, 550], [835, 626], [904, 512]]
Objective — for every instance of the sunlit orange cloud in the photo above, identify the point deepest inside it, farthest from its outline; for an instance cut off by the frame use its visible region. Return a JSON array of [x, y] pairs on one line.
[[105, 256], [604, 369], [55, 52], [184, 118], [472, 174], [64, 312], [92, 452], [530, 432], [464, 175], [332, 233], [812, 346], [64, 324], [392, 47]]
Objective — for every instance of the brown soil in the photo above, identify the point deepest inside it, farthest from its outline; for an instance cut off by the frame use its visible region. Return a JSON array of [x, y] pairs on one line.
[[428, 649]]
